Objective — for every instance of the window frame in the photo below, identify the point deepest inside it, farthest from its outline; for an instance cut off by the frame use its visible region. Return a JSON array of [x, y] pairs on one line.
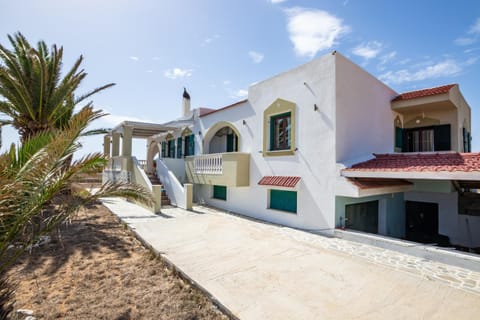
[[277, 108], [276, 143]]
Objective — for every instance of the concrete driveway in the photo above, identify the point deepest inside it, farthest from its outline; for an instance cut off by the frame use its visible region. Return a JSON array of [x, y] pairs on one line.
[[262, 271]]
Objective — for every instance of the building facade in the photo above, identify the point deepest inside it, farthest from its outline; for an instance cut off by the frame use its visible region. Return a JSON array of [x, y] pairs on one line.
[[327, 146]]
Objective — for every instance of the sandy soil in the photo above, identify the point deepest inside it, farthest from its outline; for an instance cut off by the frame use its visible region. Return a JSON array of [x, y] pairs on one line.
[[96, 269]]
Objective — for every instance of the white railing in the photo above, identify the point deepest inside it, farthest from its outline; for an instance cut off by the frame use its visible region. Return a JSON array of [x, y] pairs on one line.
[[208, 164], [142, 164]]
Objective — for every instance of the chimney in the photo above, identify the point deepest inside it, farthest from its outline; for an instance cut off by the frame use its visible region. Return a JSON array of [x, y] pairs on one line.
[[186, 111]]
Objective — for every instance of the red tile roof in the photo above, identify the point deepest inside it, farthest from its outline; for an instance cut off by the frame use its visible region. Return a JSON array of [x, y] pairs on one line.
[[424, 92], [372, 183], [421, 162], [279, 181], [227, 107]]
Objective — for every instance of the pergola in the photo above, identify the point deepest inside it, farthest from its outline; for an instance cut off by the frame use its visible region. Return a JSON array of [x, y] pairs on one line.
[[128, 130]]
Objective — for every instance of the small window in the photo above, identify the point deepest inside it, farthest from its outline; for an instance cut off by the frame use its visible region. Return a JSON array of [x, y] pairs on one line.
[[283, 200], [220, 192], [280, 133]]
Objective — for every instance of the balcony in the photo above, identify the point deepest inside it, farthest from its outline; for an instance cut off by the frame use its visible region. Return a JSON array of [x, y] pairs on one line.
[[231, 169]]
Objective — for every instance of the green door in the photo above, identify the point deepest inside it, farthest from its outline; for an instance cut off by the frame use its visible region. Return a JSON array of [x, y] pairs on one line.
[[230, 142]]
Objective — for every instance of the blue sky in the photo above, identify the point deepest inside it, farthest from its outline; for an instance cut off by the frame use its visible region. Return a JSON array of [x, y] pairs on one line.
[[152, 48]]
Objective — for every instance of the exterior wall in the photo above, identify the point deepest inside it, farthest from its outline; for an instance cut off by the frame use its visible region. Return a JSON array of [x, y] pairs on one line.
[[314, 162], [450, 223], [364, 120], [391, 212], [464, 115]]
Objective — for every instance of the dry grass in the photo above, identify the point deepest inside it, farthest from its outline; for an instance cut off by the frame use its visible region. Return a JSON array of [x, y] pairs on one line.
[[96, 269]]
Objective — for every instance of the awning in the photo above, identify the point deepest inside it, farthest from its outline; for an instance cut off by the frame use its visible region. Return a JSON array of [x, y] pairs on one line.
[[279, 181]]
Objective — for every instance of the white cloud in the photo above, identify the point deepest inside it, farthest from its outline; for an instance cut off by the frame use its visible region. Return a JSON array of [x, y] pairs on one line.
[[313, 30], [475, 28], [149, 71], [473, 32], [134, 58], [277, 1], [241, 93], [209, 40], [441, 69], [227, 82], [464, 41], [256, 57], [176, 73], [368, 50]]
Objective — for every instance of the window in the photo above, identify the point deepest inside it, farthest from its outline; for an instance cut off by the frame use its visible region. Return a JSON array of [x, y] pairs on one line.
[[189, 147], [220, 192], [424, 139], [179, 148], [171, 148], [164, 149], [283, 200], [279, 129], [280, 136], [466, 141]]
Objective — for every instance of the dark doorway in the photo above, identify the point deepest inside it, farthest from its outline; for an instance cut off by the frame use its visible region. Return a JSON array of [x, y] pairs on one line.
[[421, 221], [362, 216]]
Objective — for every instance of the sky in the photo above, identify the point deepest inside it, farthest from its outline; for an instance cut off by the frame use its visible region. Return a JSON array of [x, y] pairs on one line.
[[151, 49]]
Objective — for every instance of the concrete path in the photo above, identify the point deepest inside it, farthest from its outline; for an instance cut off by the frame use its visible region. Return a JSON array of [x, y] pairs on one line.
[[262, 271]]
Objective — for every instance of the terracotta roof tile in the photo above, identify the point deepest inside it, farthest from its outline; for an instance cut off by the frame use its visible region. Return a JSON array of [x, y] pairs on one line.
[[279, 181], [421, 162], [424, 92]]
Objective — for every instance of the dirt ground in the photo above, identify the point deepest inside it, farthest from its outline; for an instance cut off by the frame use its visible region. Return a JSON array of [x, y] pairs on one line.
[[97, 269]]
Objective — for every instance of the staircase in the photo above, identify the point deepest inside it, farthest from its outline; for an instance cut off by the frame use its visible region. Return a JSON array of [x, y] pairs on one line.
[[155, 181]]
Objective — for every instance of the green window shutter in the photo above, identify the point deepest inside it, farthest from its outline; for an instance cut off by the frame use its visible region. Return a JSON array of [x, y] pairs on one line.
[[164, 149], [191, 145], [179, 148], [465, 140], [442, 138], [220, 192], [230, 138], [399, 138], [469, 144], [283, 200], [171, 148]]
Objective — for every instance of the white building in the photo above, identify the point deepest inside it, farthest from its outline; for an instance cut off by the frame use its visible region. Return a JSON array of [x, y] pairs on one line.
[[294, 153]]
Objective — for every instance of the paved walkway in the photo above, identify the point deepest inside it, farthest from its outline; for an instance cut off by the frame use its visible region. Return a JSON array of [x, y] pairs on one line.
[[262, 271]]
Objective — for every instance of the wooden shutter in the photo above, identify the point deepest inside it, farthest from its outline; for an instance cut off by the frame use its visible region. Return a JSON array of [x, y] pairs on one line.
[[220, 192], [283, 200], [191, 145], [399, 138], [164, 149], [230, 138], [179, 148], [442, 138]]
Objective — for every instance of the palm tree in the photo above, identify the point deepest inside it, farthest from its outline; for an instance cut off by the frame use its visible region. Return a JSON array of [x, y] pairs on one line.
[[35, 96], [33, 178]]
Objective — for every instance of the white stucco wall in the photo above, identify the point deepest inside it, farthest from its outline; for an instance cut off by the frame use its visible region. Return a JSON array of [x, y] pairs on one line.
[[450, 223], [364, 119], [314, 161]]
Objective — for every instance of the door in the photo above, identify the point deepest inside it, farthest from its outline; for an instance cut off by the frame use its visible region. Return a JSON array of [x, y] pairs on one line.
[[362, 216], [421, 221]]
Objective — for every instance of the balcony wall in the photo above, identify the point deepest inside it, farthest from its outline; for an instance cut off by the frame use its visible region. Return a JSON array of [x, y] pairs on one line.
[[231, 169]]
